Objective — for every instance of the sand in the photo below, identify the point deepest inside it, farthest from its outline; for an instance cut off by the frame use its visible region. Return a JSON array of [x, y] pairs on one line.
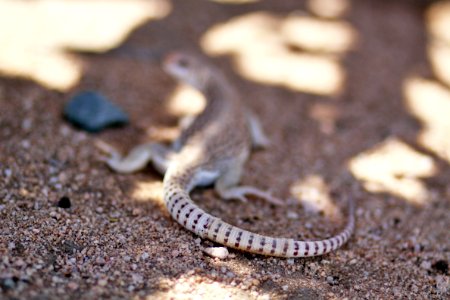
[[117, 241]]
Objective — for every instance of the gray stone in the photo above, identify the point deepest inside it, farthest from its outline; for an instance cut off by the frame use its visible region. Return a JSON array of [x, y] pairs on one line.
[[93, 112]]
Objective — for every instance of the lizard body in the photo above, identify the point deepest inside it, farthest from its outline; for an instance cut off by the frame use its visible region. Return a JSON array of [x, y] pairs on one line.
[[214, 149]]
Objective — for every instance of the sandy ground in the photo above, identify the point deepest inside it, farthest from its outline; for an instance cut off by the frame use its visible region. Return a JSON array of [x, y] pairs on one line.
[[364, 140]]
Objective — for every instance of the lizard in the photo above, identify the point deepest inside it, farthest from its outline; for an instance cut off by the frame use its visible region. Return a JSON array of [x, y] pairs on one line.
[[213, 149]]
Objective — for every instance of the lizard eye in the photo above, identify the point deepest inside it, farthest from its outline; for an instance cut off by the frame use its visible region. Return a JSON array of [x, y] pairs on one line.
[[183, 62]]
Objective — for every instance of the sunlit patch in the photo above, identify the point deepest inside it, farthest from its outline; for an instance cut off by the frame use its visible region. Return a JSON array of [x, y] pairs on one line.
[[302, 72], [396, 168], [199, 287], [251, 33], [439, 56], [186, 101], [438, 20], [318, 35], [328, 8], [35, 34], [313, 193], [162, 133], [148, 191], [234, 1], [326, 115], [429, 101], [262, 54]]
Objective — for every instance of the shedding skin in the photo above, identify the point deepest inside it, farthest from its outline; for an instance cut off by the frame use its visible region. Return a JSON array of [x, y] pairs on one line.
[[213, 149]]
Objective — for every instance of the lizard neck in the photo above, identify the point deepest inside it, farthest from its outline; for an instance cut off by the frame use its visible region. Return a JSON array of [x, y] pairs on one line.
[[218, 95], [221, 107]]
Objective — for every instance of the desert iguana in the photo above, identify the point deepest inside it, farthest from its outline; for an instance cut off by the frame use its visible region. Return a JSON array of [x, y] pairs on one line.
[[213, 149]]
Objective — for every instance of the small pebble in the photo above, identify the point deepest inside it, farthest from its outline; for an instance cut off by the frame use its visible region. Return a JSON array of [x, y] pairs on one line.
[[102, 282], [441, 266], [8, 172], [27, 125], [93, 112], [292, 215], [100, 261], [64, 202], [217, 252], [144, 256], [8, 284], [137, 278], [72, 285], [136, 212], [426, 265]]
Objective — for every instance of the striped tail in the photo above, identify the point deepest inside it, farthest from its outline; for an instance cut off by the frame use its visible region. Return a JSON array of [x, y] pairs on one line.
[[193, 218]]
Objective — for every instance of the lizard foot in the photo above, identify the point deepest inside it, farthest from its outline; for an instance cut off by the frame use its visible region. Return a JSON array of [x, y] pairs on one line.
[[241, 193]]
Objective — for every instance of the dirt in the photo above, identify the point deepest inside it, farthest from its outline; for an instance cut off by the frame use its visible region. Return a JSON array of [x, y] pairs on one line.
[[116, 240]]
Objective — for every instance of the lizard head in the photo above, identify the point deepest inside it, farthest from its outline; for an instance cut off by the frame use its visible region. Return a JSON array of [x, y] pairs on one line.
[[188, 69]]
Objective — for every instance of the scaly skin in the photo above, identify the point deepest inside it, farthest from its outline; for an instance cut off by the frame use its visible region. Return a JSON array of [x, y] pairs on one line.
[[213, 150]]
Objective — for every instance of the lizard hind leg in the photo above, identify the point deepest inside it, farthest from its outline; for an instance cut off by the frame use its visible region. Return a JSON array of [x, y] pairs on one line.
[[226, 187]]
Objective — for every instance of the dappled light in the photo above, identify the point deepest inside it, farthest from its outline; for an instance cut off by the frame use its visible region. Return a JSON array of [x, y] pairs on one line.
[[262, 46], [313, 34], [325, 103], [234, 1], [394, 167], [145, 191], [35, 34], [313, 194], [438, 20], [439, 54], [329, 8], [303, 72], [162, 133], [429, 101], [185, 100], [199, 287]]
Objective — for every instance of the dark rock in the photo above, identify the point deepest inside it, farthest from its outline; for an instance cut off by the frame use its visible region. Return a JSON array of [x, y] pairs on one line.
[[441, 266], [7, 284], [64, 202], [70, 247], [93, 112]]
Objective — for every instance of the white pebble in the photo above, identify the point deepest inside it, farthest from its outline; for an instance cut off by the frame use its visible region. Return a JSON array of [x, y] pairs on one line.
[[217, 252], [292, 215], [144, 256], [137, 278], [426, 265]]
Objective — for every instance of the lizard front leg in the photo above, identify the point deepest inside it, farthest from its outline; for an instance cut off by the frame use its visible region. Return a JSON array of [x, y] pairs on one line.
[[138, 158], [257, 134]]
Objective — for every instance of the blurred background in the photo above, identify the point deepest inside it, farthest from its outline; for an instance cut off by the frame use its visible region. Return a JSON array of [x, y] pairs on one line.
[[354, 95]]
